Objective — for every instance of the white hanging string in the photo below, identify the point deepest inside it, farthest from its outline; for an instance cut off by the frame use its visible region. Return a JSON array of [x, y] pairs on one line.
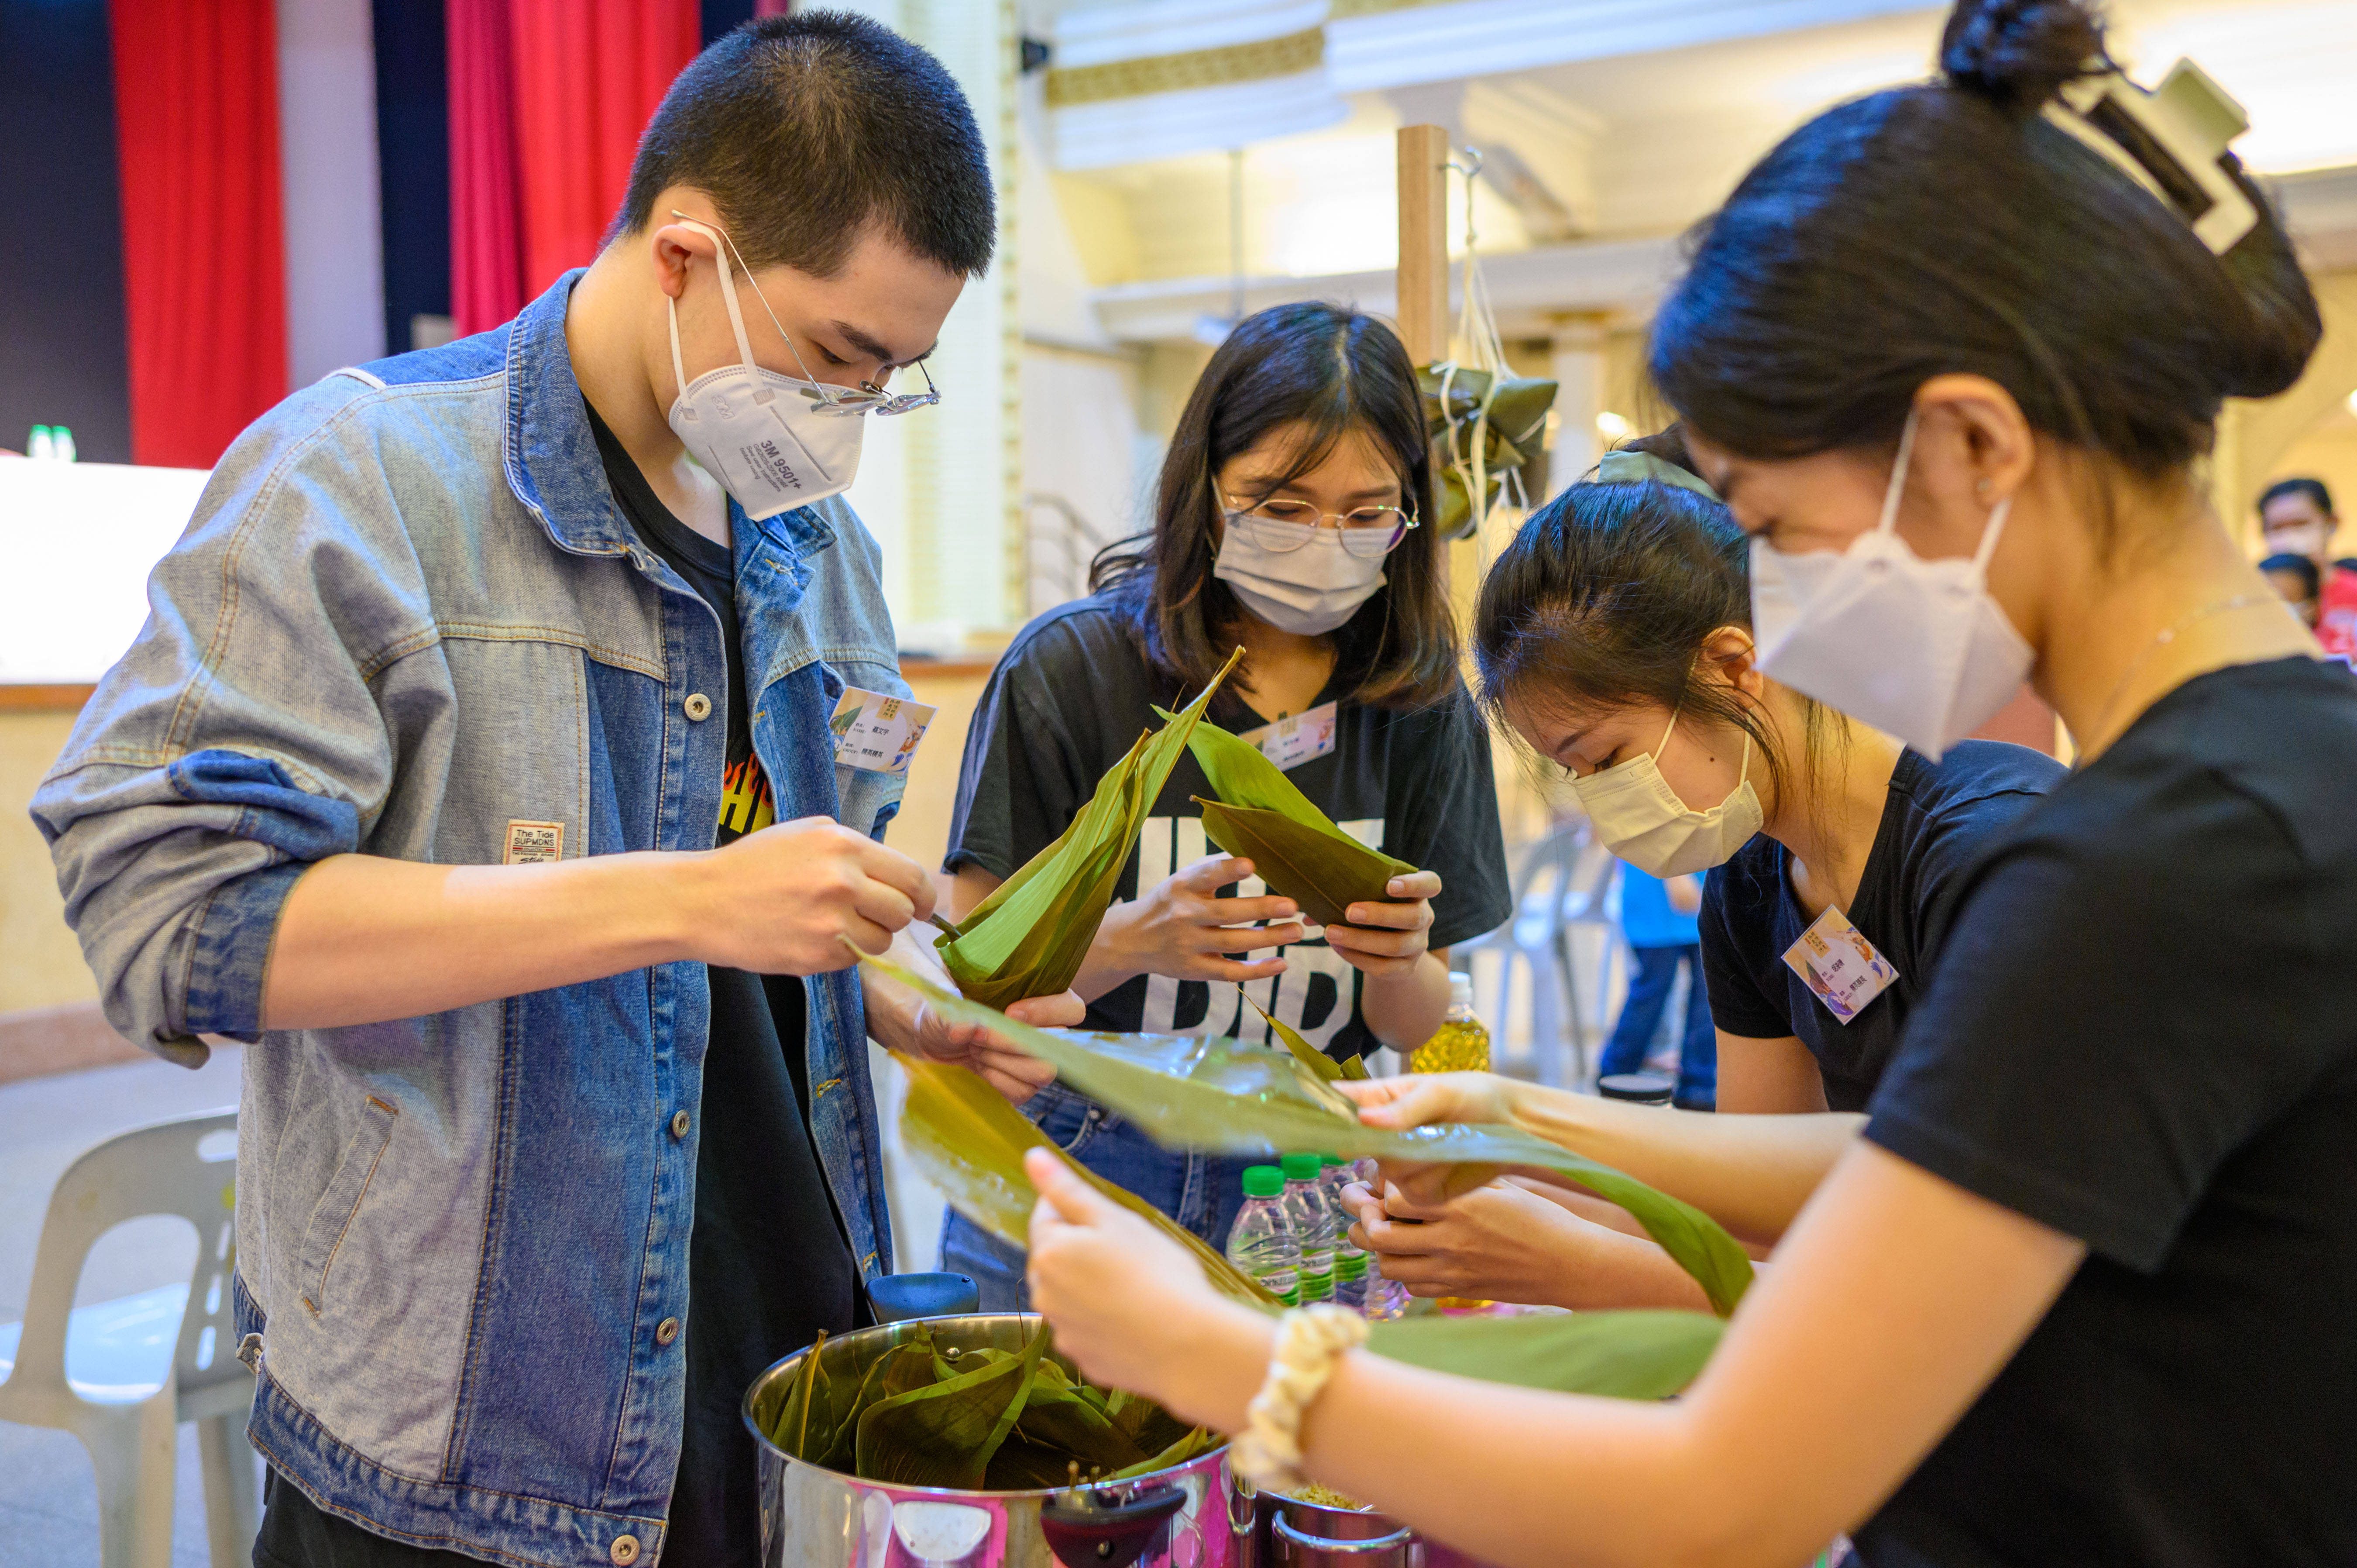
[[1478, 346]]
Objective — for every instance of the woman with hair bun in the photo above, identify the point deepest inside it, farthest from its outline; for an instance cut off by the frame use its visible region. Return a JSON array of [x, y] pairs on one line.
[[2081, 1292]]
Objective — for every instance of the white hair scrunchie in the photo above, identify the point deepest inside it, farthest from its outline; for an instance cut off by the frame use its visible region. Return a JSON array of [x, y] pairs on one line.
[[1309, 1340]]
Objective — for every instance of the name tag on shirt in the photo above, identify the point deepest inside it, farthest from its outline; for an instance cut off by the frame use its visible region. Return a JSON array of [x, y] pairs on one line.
[[1303, 738], [1840, 965], [876, 732]]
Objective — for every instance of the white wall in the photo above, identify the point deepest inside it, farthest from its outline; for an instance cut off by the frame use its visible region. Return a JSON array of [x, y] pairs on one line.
[[328, 161]]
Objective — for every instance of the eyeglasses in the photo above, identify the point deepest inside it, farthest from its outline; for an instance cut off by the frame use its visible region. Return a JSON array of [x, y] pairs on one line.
[[870, 398], [1280, 526]]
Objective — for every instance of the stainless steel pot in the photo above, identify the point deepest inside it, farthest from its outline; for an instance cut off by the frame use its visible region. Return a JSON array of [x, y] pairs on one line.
[[1292, 1533], [1185, 1516]]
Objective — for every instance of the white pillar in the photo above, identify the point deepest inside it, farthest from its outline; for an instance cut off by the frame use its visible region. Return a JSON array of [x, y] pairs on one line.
[[1578, 371], [328, 167]]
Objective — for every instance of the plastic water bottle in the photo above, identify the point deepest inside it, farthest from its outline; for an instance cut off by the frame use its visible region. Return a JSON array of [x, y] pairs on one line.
[[37, 445], [61, 444], [1334, 1174], [1314, 1224], [1263, 1243]]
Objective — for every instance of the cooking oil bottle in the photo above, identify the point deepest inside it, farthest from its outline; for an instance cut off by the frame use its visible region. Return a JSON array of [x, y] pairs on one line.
[[1461, 1044]]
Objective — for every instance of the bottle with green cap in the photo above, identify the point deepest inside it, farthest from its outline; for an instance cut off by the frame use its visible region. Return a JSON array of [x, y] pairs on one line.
[[1263, 1242], [1314, 1225], [1334, 1174]]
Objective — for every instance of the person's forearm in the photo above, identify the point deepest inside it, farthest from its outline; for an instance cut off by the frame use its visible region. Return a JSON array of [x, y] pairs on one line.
[[892, 1007], [363, 938], [1404, 1009], [1751, 1174], [1106, 965]]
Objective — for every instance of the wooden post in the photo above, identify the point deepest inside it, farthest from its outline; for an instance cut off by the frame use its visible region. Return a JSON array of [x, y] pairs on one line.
[[1424, 243]]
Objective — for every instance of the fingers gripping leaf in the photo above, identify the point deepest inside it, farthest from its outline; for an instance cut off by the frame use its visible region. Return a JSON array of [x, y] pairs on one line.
[[1028, 939], [1215, 1094]]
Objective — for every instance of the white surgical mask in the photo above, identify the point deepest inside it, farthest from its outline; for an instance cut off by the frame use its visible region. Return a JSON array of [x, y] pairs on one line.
[[773, 442], [2300, 539], [1641, 818], [1308, 591], [1915, 647]]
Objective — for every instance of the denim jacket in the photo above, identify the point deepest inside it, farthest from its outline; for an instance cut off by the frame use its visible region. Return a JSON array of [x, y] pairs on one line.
[[407, 616]]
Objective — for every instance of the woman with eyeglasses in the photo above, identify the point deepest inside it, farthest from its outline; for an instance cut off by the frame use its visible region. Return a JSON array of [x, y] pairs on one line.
[[1285, 522]]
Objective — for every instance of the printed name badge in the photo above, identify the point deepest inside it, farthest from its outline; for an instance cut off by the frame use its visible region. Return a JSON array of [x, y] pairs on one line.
[[1290, 742], [876, 732], [1840, 965]]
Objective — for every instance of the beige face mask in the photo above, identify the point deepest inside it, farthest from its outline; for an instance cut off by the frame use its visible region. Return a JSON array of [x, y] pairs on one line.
[[1641, 818]]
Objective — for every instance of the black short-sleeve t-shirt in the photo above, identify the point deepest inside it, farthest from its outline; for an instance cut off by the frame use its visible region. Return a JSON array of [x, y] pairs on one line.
[[2141, 1036], [1937, 820], [1073, 696]]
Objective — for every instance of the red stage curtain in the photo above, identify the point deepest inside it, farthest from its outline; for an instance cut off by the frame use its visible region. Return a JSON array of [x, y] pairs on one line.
[[547, 99], [204, 256], [487, 277]]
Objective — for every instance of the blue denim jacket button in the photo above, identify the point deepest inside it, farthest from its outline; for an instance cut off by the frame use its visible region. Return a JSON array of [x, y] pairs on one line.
[[679, 1121], [698, 706], [625, 1551], [666, 1331]]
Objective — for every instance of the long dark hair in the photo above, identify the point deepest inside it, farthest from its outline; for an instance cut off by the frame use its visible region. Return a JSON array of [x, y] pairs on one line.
[[1949, 227], [1327, 370], [1605, 597]]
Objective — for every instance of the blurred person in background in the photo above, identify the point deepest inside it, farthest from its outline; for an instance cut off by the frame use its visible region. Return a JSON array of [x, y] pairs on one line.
[[2295, 518], [2296, 578], [1657, 919]]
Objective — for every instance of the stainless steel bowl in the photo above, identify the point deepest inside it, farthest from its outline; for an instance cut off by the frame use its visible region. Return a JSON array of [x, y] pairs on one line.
[[1190, 1516]]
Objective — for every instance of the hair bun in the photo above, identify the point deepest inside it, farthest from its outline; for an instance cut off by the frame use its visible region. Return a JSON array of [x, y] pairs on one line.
[[2018, 53]]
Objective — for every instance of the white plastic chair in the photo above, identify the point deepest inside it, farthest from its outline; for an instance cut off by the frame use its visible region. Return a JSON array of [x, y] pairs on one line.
[[121, 1375], [1563, 883]]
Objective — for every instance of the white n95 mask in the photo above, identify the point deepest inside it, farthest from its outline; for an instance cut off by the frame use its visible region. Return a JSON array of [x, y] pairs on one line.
[[1309, 590], [1641, 818], [774, 442], [1915, 647]]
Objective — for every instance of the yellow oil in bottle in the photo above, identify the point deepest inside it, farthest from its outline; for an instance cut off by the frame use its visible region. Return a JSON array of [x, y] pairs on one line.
[[1459, 1044]]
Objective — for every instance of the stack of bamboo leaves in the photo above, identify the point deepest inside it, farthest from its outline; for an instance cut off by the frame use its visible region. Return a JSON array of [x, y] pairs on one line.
[[925, 1416], [1222, 1096], [1482, 427], [1028, 939]]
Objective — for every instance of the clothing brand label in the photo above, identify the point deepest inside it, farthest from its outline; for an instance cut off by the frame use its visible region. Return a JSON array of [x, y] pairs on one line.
[[1840, 965], [1290, 742], [876, 732], [532, 844]]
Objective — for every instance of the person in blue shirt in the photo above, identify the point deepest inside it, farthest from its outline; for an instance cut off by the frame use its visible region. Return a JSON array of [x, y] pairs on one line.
[[1657, 918]]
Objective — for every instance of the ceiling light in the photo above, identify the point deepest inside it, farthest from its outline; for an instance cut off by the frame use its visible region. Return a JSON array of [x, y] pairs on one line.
[[1612, 426]]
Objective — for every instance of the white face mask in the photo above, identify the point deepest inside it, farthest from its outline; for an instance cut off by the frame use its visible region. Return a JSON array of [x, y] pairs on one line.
[[2300, 539], [1915, 647], [774, 442], [1641, 818], [1308, 591]]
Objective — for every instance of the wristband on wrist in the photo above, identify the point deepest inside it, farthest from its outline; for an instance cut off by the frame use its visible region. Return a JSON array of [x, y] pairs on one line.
[[1309, 1341]]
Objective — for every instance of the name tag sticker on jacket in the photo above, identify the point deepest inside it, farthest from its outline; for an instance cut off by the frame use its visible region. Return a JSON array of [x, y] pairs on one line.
[[1297, 739], [876, 732], [535, 843], [1840, 965]]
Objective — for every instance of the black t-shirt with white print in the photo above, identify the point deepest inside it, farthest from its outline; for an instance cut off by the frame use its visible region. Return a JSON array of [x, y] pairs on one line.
[[1072, 696]]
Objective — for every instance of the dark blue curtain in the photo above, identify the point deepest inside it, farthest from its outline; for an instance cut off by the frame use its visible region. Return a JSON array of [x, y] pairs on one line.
[[413, 141], [62, 356]]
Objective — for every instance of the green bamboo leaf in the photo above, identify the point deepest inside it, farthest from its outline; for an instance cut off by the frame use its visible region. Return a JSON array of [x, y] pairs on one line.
[[1623, 1355], [1196, 1442], [1354, 1070], [969, 1142], [1218, 1095], [1294, 847], [1028, 938], [1058, 1417], [943, 1435], [1328, 1069]]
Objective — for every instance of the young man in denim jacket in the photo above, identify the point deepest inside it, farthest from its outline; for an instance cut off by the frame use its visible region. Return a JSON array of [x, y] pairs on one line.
[[475, 767]]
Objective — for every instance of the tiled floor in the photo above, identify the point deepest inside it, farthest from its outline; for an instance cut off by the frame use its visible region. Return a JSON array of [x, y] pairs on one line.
[[48, 1501]]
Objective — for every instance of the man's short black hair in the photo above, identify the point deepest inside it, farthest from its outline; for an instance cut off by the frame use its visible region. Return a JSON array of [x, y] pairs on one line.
[[2312, 488], [804, 129]]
